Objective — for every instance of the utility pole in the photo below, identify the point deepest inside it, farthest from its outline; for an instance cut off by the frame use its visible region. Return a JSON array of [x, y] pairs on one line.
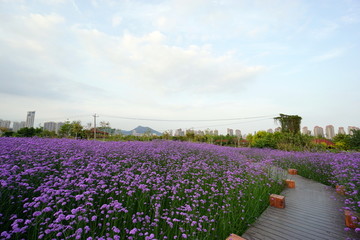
[[95, 116]]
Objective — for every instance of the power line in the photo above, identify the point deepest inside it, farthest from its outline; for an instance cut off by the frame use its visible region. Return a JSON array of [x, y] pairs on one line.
[[186, 120], [56, 118], [228, 124]]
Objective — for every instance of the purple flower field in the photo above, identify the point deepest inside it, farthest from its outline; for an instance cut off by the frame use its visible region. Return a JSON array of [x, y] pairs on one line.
[[72, 189]]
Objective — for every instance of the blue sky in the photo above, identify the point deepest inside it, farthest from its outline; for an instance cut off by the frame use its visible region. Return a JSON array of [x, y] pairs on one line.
[[181, 59]]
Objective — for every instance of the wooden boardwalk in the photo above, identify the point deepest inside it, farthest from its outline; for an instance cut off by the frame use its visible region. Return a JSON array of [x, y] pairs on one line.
[[311, 212]]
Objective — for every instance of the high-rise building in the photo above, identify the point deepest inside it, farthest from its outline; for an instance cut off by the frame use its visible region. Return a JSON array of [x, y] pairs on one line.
[[306, 131], [179, 132], [18, 125], [216, 132], [50, 126], [30, 118], [237, 133], [318, 131], [230, 132], [330, 132], [200, 133], [5, 123], [350, 128], [270, 130], [341, 130]]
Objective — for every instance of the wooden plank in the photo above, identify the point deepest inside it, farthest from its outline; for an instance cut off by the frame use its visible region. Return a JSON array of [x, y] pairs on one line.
[[310, 213]]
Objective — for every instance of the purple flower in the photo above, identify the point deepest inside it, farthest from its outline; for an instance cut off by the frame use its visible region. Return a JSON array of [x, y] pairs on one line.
[[133, 231], [37, 213]]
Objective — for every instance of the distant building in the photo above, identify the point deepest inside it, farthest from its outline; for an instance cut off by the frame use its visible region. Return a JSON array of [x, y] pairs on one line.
[[50, 126], [278, 129], [341, 130], [5, 123], [330, 132], [238, 133], [230, 132], [270, 130], [53, 126], [350, 128], [18, 125], [318, 131], [179, 132], [58, 127], [30, 118], [216, 132], [306, 131]]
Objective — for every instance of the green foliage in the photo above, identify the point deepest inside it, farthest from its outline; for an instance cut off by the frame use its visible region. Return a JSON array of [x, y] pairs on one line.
[[289, 123], [281, 140], [342, 141], [28, 132], [354, 140], [8, 133], [73, 129], [49, 134], [347, 141], [263, 139]]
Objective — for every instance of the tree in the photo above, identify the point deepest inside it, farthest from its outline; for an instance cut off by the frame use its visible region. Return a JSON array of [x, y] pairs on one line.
[[73, 129], [289, 123], [65, 129], [354, 140], [262, 139], [8, 133], [47, 133], [28, 132], [342, 141], [76, 128]]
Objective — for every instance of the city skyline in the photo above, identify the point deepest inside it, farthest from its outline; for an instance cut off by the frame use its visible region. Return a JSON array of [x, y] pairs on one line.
[[327, 132], [170, 59]]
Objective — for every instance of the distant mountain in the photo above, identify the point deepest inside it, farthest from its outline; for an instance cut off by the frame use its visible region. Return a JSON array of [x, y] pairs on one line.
[[141, 130]]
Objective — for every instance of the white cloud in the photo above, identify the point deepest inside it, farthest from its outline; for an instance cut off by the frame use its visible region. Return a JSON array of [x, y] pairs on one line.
[[74, 63], [116, 20], [147, 63], [328, 55]]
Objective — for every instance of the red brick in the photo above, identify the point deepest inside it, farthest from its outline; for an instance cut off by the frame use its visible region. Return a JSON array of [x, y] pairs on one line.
[[292, 171], [234, 237], [277, 201], [290, 183], [340, 189], [351, 221]]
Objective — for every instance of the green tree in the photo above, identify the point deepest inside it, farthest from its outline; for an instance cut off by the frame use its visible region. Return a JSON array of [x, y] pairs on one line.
[[289, 123], [73, 129], [76, 129], [65, 129], [342, 141], [8, 133], [47, 133], [354, 140], [28, 132], [263, 139]]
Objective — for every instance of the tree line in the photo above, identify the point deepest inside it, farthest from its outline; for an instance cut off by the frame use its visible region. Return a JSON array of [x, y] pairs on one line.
[[289, 138]]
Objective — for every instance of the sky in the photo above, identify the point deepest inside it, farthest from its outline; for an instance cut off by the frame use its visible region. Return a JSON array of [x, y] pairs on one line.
[[171, 64]]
